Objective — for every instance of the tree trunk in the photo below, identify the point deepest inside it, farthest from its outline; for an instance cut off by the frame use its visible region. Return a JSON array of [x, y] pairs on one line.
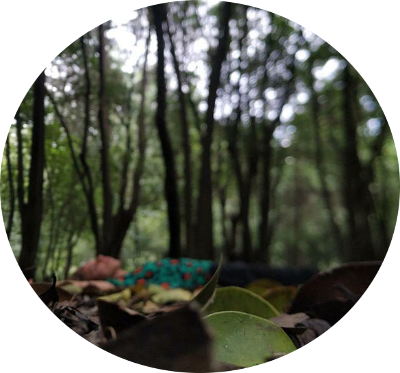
[[187, 153], [31, 211], [85, 176], [10, 219], [104, 126], [124, 217], [319, 160], [171, 189], [252, 166], [204, 224], [356, 193], [265, 193]]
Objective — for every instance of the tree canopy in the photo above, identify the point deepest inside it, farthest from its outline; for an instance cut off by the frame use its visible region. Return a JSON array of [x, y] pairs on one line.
[[194, 130]]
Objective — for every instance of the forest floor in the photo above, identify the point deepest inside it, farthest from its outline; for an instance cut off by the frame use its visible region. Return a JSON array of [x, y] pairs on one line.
[[211, 329]]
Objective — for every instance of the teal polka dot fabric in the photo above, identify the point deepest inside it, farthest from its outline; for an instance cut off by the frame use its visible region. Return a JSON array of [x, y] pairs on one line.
[[170, 273]]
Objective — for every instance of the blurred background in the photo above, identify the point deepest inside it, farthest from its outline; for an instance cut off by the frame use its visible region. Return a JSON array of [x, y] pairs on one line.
[[195, 129]]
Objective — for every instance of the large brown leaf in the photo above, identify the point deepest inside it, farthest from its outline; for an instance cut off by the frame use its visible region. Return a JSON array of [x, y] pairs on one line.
[[176, 341], [339, 285]]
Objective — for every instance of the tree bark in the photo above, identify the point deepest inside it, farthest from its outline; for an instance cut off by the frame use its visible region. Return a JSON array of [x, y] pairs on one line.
[[31, 211], [265, 193], [204, 224], [319, 160], [104, 126], [187, 153], [171, 189], [86, 175], [356, 194], [10, 219]]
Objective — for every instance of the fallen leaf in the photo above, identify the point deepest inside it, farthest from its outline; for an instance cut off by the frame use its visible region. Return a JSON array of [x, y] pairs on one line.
[[246, 340], [259, 286], [323, 287], [172, 295], [234, 298], [287, 320], [176, 341], [115, 297], [318, 336], [280, 297], [119, 318], [207, 292]]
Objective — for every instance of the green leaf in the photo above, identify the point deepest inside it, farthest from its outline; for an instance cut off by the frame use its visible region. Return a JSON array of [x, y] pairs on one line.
[[259, 286], [22, 331], [116, 297], [172, 295], [246, 340], [233, 298], [205, 296], [280, 297]]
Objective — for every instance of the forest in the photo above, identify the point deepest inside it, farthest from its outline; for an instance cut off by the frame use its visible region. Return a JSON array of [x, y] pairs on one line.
[[195, 129]]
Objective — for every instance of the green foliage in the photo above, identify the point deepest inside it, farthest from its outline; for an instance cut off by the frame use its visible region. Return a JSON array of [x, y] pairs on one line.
[[234, 298], [247, 340]]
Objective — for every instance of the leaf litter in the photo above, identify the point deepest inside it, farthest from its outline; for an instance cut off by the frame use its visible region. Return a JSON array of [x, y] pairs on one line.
[[212, 329]]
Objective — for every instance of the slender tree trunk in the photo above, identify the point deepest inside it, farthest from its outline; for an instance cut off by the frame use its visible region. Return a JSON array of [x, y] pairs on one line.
[[50, 206], [204, 224], [265, 193], [356, 193], [104, 126], [124, 217], [10, 219], [171, 189], [221, 189], [319, 160], [72, 240], [252, 166], [85, 176], [377, 148], [187, 153], [384, 206], [31, 211], [294, 252], [20, 166]]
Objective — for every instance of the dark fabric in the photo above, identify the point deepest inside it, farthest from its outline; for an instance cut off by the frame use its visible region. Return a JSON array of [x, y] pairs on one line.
[[241, 274]]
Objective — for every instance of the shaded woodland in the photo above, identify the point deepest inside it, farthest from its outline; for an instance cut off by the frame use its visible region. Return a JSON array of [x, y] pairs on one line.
[[195, 130]]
